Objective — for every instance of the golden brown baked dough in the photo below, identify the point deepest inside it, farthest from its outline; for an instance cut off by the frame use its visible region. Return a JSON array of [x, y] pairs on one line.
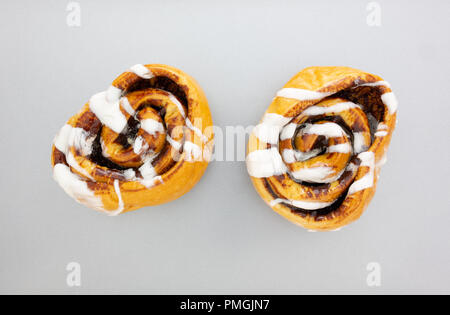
[[145, 141], [316, 155]]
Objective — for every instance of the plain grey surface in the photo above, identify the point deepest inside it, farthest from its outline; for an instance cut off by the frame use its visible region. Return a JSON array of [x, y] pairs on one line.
[[221, 237]]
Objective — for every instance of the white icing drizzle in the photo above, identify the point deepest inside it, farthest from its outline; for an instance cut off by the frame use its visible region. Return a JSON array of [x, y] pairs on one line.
[[359, 142], [381, 130], [306, 205], [390, 101], [150, 182], [140, 145], [175, 144], [126, 106], [137, 145], [73, 184], [69, 136], [291, 156], [74, 164], [108, 111], [79, 138], [265, 163], [330, 130], [382, 126], [367, 159], [142, 71], [268, 130], [340, 148], [318, 174], [352, 167], [149, 175], [147, 170], [381, 133], [302, 95], [152, 126], [129, 174], [113, 94], [75, 187], [276, 119], [288, 131], [62, 138], [337, 108], [121, 205], [267, 133]]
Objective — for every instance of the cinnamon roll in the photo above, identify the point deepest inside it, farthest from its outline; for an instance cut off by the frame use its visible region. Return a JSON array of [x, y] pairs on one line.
[[315, 156], [144, 141]]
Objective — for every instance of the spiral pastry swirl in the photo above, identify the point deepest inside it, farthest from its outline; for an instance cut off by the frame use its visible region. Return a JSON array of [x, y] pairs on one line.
[[146, 140], [315, 156]]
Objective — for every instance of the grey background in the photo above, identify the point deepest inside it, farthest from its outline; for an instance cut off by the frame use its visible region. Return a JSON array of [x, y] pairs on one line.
[[221, 237]]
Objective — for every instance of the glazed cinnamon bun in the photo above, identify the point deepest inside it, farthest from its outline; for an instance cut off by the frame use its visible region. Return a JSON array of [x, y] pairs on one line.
[[315, 156], [144, 141]]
